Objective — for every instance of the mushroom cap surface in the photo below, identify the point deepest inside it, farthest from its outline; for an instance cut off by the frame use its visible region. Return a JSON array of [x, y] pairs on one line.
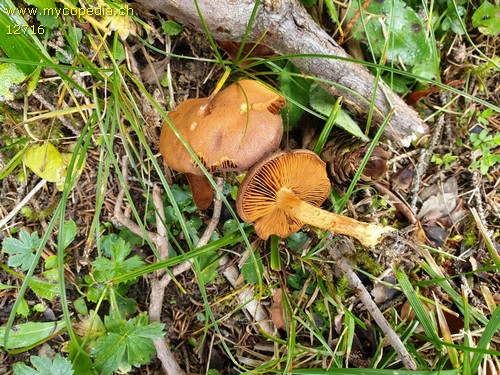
[[300, 171], [230, 131]]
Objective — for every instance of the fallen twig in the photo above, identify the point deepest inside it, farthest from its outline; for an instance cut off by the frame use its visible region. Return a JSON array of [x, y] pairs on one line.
[[336, 251], [163, 352], [23, 202], [246, 297]]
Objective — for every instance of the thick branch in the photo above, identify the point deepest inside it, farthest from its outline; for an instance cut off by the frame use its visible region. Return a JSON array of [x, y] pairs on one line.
[[289, 29]]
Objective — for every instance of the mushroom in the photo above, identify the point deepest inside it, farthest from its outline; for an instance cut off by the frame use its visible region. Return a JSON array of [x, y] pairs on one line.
[[284, 191], [229, 131]]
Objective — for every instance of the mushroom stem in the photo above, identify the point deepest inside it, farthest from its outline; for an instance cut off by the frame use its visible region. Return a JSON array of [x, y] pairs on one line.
[[368, 234]]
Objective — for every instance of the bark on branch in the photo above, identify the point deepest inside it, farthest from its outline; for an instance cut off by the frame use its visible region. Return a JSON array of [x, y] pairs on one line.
[[289, 29]]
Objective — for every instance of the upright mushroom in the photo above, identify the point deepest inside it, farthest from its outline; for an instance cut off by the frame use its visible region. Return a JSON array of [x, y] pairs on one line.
[[229, 131], [284, 191]]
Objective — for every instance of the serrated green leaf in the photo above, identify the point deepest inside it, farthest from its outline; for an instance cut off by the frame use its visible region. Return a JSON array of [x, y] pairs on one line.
[[105, 269], [487, 18], [322, 102], [120, 250], [21, 369], [130, 344], [44, 288], [21, 251], [23, 309], [44, 366], [28, 334], [10, 75]]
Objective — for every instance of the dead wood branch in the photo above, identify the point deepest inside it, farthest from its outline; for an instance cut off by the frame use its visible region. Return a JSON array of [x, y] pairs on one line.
[[336, 252], [288, 29]]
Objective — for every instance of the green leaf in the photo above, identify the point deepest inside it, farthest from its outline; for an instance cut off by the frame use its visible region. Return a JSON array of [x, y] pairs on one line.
[[81, 306], [209, 263], [296, 90], [322, 102], [106, 269], [21, 251], [45, 161], [70, 233], [297, 240], [28, 334], [23, 309], [22, 46], [408, 41], [81, 362], [253, 268], [10, 75], [44, 289], [487, 19], [126, 345], [46, 12], [183, 198], [171, 28], [44, 366]]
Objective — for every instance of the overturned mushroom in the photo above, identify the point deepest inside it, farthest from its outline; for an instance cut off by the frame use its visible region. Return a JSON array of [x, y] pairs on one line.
[[283, 192], [229, 131]]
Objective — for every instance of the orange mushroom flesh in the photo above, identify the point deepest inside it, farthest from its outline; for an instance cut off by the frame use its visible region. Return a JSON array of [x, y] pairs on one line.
[[283, 192], [229, 131]]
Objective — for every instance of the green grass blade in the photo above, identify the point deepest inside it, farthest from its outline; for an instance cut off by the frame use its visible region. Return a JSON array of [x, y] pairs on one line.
[[327, 129], [422, 315], [491, 329]]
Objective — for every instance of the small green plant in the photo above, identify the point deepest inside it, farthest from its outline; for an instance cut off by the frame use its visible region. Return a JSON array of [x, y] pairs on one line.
[[448, 15], [117, 343], [114, 262], [485, 144], [485, 18], [44, 366], [445, 160], [125, 344], [21, 251], [384, 27]]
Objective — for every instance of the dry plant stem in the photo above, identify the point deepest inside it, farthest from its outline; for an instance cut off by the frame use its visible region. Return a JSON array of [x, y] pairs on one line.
[[361, 292], [169, 364], [367, 234], [288, 29], [23, 202], [423, 162], [246, 297], [118, 214]]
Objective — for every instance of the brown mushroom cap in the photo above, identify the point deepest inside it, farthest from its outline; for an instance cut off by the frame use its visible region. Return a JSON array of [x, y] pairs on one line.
[[300, 171], [230, 131], [283, 192]]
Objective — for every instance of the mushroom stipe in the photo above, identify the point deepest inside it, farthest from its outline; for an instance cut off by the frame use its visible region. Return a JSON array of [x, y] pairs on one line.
[[284, 191]]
